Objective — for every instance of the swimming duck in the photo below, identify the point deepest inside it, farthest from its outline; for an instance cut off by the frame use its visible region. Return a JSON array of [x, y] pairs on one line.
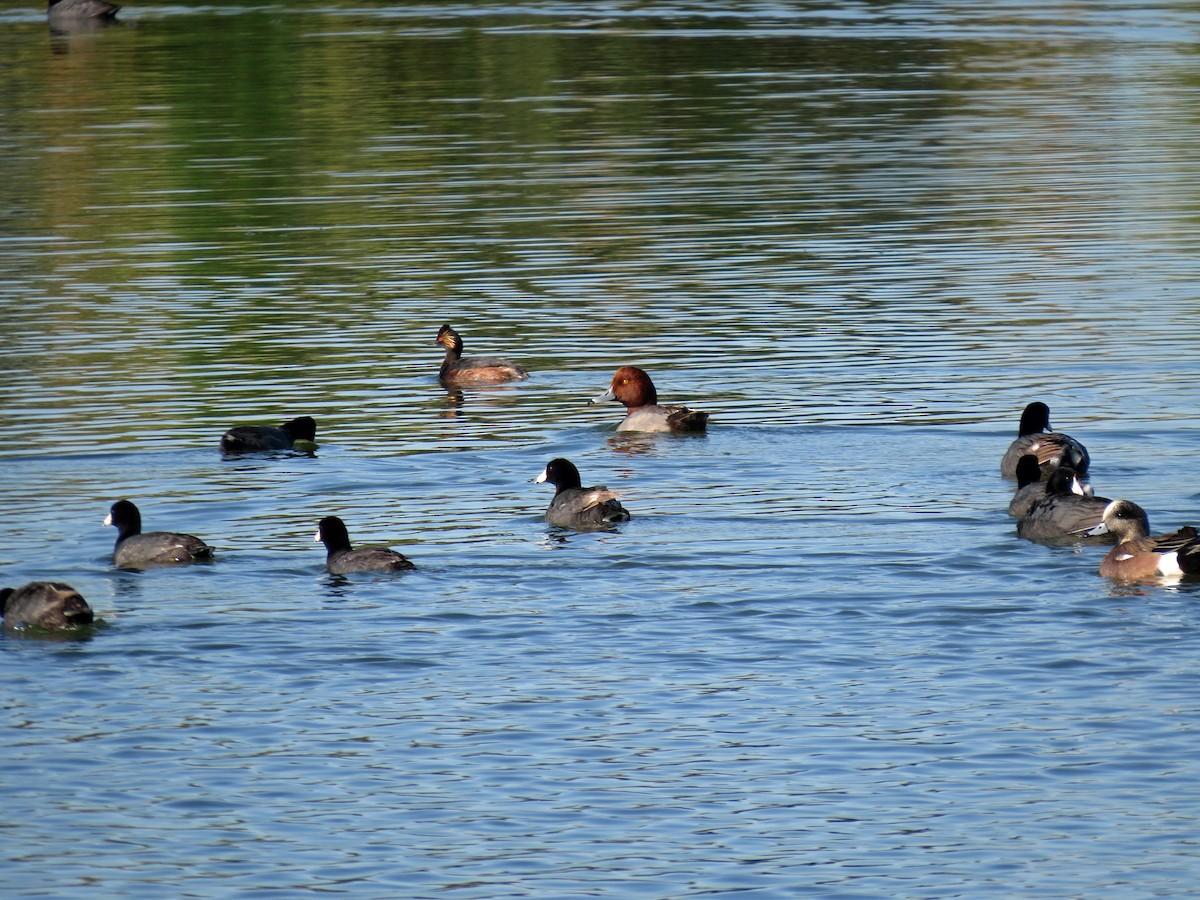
[[256, 438], [575, 506], [1139, 557], [341, 559], [1065, 513], [1052, 448], [44, 604], [75, 15], [1031, 487], [457, 369], [135, 550], [632, 387]]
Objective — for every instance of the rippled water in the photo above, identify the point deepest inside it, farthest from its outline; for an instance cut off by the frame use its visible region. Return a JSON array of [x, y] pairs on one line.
[[816, 662]]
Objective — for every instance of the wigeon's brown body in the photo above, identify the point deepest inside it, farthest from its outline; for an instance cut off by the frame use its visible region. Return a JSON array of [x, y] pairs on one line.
[[44, 604], [1031, 488], [341, 559], [1065, 513], [1139, 557], [633, 388], [575, 506], [1052, 448], [459, 369]]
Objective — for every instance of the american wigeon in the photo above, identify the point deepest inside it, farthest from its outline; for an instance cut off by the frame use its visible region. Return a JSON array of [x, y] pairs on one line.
[[135, 550], [633, 388], [575, 506], [1139, 557], [342, 559], [1065, 513], [459, 369], [256, 438], [44, 604], [1052, 448]]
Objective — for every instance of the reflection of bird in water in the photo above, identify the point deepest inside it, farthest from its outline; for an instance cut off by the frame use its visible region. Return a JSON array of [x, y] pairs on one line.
[[80, 15], [622, 442], [454, 402]]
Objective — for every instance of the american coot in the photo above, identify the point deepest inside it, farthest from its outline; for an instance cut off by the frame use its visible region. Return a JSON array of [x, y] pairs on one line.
[[1051, 448], [135, 550], [575, 506], [459, 369], [1139, 557], [256, 438], [632, 387], [341, 559], [1031, 488], [1065, 513], [44, 604]]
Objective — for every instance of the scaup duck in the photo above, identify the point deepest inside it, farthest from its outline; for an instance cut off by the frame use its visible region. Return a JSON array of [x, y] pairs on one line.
[[1051, 448]]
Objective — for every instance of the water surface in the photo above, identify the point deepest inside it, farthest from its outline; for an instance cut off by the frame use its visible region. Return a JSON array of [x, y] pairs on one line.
[[817, 661]]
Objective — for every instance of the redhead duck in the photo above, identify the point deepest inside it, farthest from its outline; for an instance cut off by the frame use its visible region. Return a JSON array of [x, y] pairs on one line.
[[1139, 557], [135, 550], [44, 604], [1065, 513], [633, 387], [340, 559], [1052, 448], [457, 369], [256, 438], [575, 506], [1031, 488]]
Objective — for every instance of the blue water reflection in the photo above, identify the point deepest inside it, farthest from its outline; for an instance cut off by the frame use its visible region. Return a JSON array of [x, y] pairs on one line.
[[816, 660]]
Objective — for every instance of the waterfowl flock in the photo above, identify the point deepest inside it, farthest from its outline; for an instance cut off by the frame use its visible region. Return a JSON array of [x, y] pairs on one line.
[[51, 605], [1052, 503], [1054, 506]]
